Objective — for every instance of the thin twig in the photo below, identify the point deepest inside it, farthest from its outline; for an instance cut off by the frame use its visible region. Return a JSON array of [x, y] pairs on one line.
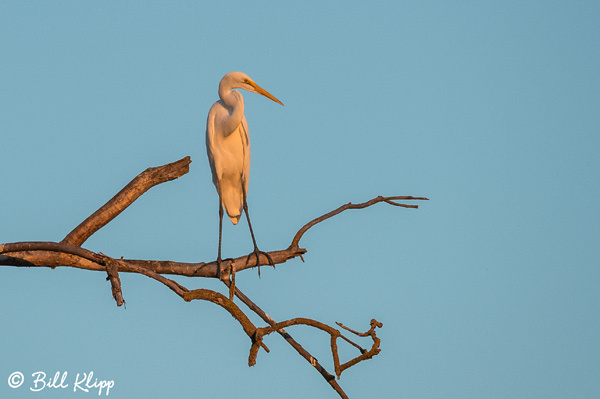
[[367, 354], [334, 335], [350, 205]]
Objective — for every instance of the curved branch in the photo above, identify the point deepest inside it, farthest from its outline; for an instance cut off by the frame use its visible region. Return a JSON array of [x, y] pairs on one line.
[[349, 205], [117, 204], [232, 308]]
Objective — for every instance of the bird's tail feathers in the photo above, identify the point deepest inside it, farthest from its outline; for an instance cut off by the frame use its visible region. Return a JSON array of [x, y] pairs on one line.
[[232, 203]]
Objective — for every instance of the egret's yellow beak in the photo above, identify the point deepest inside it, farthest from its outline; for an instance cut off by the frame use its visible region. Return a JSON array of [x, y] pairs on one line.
[[265, 93]]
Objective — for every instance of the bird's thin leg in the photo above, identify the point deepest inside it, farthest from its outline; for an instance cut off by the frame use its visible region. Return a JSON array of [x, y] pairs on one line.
[[257, 252], [220, 233]]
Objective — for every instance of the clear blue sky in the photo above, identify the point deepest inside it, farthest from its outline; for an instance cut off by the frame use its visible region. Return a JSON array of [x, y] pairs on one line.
[[490, 109]]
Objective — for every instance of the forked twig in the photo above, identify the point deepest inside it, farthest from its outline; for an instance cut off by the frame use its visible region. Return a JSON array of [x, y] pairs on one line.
[[335, 334], [389, 200]]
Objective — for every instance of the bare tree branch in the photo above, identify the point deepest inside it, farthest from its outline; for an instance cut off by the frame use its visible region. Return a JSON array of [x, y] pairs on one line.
[[117, 204], [69, 252]]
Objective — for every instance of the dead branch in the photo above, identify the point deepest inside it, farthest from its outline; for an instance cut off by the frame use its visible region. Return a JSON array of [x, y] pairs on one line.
[[335, 334], [138, 186], [232, 308], [69, 252], [303, 352], [365, 354], [389, 200]]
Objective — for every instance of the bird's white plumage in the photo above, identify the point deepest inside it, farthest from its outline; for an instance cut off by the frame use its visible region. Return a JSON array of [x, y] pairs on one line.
[[228, 142], [229, 158]]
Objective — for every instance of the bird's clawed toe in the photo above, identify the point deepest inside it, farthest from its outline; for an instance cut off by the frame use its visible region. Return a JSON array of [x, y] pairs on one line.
[[257, 252]]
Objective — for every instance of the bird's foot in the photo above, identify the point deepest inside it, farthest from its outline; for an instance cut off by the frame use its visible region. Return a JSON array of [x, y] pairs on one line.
[[257, 252]]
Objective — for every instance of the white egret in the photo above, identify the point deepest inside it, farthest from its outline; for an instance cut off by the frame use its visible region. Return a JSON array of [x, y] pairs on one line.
[[228, 148]]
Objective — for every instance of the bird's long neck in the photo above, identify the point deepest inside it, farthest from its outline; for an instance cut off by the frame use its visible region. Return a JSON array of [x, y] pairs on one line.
[[235, 102]]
